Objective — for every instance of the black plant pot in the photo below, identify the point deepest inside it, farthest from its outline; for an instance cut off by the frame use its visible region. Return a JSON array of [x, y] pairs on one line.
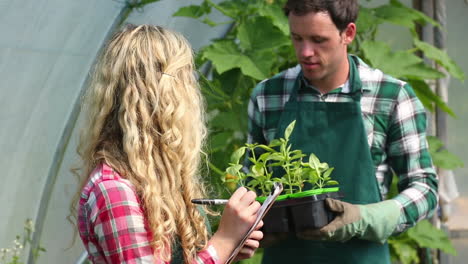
[[297, 214], [277, 220], [311, 212]]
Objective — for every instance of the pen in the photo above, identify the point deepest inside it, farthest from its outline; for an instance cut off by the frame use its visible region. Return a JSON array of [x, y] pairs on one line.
[[209, 201]]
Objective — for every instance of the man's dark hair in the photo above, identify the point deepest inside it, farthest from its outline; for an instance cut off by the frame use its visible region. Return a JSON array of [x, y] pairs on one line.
[[342, 12]]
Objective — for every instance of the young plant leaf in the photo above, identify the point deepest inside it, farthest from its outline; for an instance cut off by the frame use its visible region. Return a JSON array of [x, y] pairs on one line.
[[326, 174], [253, 183], [313, 177], [265, 156], [257, 169], [275, 143], [267, 148], [289, 129], [314, 162], [276, 156], [332, 183], [237, 155], [323, 166], [234, 169]]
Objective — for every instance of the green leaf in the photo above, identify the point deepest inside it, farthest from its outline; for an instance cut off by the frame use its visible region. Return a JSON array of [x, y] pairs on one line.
[[289, 130], [313, 177], [235, 84], [225, 56], [228, 8], [257, 169], [266, 148], [427, 96], [234, 169], [220, 140], [332, 183], [418, 16], [276, 156], [253, 39], [212, 88], [253, 183], [441, 157], [446, 160], [441, 57], [366, 19], [297, 156], [314, 162], [237, 155], [278, 19], [193, 11], [398, 14], [323, 166], [435, 144], [421, 71], [275, 143], [209, 22], [405, 253], [327, 173], [264, 157], [399, 63], [394, 15], [426, 235], [226, 120]]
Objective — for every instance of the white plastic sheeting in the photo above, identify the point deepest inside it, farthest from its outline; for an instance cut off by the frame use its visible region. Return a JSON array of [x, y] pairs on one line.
[[46, 51]]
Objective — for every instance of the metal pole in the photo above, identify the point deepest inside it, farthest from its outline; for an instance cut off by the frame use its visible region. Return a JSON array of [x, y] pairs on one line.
[[440, 38]]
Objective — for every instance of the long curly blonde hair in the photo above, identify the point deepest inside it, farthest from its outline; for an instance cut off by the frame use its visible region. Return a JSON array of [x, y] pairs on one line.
[[146, 120]]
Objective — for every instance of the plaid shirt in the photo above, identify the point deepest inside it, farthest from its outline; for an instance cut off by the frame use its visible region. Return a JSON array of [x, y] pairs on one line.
[[395, 122], [112, 224]]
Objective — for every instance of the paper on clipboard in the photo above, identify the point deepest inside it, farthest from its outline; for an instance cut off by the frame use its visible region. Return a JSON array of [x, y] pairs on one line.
[[277, 189]]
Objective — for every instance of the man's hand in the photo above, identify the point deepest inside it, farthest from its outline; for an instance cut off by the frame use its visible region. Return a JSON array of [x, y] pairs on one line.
[[374, 222]]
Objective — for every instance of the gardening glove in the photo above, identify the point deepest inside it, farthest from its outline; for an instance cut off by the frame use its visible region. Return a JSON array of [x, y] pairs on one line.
[[374, 222]]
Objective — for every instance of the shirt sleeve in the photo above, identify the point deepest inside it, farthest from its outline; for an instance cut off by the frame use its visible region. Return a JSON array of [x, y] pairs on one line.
[[119, 228], [256, 118], [409, 157]]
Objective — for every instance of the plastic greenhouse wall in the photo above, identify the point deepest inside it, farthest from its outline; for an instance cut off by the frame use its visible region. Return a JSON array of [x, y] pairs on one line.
[[46, 51]]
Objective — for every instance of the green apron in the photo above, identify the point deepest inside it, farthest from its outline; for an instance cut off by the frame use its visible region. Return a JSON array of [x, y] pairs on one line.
[[335, 133]]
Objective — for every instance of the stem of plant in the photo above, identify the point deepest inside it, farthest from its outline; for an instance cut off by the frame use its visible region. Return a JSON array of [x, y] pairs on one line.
[[319, 182], [286, 168]]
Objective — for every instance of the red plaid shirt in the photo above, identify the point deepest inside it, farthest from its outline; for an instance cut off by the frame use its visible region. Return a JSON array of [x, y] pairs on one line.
[[112, 224]]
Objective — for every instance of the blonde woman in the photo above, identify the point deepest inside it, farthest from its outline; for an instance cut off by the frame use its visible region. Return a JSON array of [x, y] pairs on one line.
[[141, 151]]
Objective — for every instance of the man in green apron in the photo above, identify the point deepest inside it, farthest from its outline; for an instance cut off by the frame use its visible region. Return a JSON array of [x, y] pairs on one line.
[[362, 122]]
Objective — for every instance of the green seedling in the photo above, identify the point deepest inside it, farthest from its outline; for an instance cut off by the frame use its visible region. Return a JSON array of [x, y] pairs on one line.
[[287, 164]]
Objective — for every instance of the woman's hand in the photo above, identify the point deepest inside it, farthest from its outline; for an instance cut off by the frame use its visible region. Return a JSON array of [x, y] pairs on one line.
[[238, 216], [251, 244]]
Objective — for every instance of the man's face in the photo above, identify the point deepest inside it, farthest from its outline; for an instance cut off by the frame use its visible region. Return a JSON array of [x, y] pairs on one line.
[[320, 47]]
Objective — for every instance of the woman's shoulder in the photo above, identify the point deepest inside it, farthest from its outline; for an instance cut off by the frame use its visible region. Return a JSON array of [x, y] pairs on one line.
[[104, 180]]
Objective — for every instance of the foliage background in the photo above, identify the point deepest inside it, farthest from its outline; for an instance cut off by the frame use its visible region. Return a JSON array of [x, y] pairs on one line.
[[258, 46]]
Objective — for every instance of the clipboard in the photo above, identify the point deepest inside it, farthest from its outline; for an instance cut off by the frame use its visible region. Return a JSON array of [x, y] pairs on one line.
[[277, 189]]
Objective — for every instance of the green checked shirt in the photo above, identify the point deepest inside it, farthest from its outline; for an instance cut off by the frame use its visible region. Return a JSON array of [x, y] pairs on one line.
[[395, 122]]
